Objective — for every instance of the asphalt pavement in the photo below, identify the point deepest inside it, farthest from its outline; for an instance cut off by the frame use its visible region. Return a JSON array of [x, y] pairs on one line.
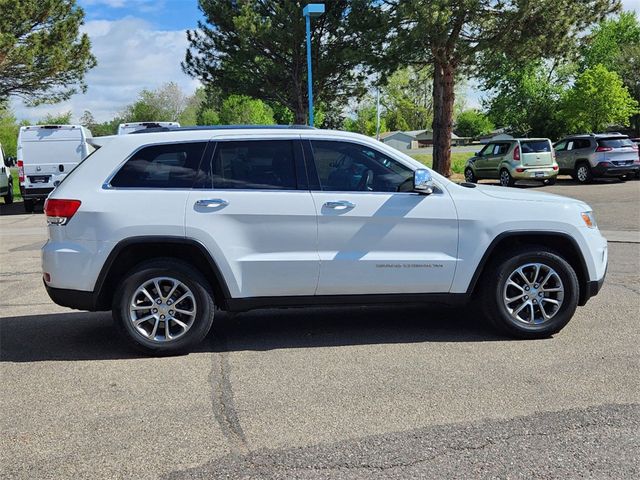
[[349, 393]]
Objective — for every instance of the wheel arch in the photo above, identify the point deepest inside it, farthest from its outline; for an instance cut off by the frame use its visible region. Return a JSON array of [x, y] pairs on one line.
[[562, 243], [133, 251]]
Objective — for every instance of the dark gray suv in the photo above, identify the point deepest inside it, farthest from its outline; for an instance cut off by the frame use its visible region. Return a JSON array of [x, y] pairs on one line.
[[597, 155]]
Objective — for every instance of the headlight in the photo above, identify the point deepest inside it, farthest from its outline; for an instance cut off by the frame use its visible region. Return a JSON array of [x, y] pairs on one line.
[[589, 219]]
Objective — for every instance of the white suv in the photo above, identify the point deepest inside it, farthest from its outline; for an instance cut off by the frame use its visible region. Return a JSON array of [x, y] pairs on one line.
[[163, 228]]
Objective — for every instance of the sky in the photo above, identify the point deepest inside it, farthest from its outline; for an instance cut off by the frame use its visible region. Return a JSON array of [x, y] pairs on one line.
[[140, 44]]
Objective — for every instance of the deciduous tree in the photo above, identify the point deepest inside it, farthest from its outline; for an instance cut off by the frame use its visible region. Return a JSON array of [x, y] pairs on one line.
[[598, 99], [451, 35]]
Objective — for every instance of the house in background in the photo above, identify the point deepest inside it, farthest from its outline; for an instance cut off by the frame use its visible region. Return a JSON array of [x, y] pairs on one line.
[[499, 134], [413, 139], [399, 140]]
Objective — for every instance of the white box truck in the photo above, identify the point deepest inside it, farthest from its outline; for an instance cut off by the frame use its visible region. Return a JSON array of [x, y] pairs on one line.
[[46, 154], [131, 127]]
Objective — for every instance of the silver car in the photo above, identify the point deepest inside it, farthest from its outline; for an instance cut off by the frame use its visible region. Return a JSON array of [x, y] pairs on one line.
[[585, 157]]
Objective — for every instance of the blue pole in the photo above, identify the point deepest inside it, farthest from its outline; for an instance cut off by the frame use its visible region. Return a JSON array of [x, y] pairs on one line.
[[309, 78]]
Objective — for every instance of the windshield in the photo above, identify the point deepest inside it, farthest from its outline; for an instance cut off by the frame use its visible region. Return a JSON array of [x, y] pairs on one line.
[[535, 146]]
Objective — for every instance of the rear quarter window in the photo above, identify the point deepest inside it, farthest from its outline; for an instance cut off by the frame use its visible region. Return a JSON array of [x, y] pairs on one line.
[[535, 146], [171, 165]]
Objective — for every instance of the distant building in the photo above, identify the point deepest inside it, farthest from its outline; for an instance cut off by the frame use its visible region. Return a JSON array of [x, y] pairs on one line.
[[413, 139], [399, 140], [499, 134]]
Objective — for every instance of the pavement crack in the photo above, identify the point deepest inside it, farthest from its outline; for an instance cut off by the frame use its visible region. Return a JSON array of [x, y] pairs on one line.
[[224, 409]]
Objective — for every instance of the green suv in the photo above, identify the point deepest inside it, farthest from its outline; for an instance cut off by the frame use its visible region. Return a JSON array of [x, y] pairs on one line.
[[512, 160]]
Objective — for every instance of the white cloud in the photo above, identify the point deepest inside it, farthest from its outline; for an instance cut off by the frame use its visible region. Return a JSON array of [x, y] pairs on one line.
[[631, 5], [131, 56]]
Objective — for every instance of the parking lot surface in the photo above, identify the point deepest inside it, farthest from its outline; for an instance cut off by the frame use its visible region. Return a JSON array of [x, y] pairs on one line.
[[393, 392]]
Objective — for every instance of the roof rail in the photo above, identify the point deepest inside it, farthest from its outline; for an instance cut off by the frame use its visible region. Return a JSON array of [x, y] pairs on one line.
[[222, 127]]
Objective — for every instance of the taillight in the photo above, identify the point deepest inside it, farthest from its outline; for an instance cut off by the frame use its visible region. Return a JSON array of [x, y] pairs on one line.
[[519, 170], [20, 171], [59, 212], [604, 149], [555, 167], [516, 153]]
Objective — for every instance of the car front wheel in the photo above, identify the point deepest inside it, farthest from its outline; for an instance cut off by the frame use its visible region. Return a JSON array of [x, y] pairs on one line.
[[533, 293], [164, 306]]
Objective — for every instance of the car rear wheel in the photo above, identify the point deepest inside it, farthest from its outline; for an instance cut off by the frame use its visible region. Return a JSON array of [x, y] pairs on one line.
[[533, 293], [469, 176], [550, 181], [8, 199], [583, 173], [164, 306], [29, 206], [506, 180]]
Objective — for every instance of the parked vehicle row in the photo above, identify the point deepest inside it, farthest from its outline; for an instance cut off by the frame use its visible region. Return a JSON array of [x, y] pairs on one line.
[[584, 157], [165, 228]]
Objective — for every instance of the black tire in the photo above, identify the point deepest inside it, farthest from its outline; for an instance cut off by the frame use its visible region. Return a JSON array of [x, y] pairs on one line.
[[550, 181], [469, 176], [29, 206], [498, 274], [506, 180], [8, 199], [583, 173], [623, 178], [188, 276]]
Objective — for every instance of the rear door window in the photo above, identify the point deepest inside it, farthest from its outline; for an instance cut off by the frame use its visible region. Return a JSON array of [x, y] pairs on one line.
[[172, 165], [615, 142], [581, 143], [535, 146], [254, 165]]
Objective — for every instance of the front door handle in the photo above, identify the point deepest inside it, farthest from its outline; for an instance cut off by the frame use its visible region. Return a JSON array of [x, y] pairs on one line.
[[340, 205], [212, 203]]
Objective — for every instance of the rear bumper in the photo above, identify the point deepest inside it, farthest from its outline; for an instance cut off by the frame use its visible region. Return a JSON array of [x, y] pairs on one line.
[[76, 299], [614, 170], [35, 193], [535, 173]]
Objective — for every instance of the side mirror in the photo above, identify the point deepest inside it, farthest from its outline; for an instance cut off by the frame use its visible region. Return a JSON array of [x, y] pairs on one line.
[[422, 181], [11, 161], [478, 154]]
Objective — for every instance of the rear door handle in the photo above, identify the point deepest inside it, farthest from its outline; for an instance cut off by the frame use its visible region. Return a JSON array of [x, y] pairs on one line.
[[212, 203], [340, 205]]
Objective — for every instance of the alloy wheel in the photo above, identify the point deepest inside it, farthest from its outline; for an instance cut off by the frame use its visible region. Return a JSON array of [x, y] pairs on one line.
[[533, 294], [582, 173], [162, 309], [505, 178]]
